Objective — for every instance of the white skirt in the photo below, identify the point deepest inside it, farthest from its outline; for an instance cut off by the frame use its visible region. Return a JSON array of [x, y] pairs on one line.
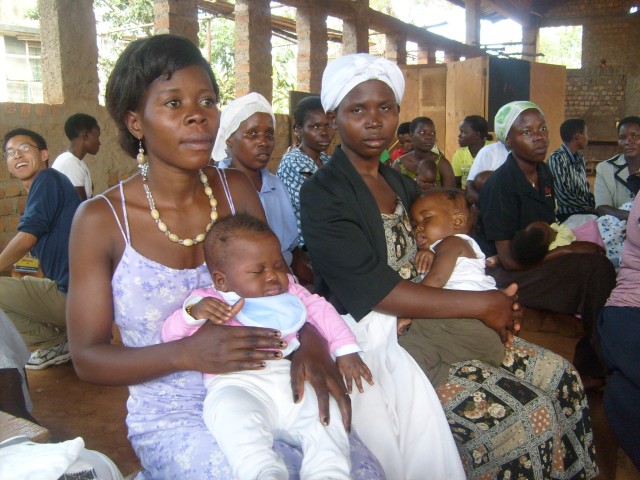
[[400, 418]]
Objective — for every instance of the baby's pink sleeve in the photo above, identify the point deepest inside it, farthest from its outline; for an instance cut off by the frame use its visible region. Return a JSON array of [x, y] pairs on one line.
[[322, 315], [180, 324]]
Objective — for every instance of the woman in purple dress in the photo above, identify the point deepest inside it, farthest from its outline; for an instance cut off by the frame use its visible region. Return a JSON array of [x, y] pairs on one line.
[[137, 253]]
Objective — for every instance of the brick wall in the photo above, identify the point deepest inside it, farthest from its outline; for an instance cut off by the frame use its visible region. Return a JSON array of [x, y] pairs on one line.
[[579, 9], [605, 89], [597, 95]]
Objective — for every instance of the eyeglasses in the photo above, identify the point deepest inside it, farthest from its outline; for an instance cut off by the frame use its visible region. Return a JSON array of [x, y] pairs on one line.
[[634, 137], [24, 148]]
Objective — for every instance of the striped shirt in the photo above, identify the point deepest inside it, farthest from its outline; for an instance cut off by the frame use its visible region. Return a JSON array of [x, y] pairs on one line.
[[570, 183]]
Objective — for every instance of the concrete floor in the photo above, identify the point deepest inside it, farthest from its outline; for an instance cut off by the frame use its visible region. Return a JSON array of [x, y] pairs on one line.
[[69, 407]]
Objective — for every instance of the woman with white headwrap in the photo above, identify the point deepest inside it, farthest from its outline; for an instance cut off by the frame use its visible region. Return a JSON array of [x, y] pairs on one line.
[[246, 139], [356, 229], [575, 278]]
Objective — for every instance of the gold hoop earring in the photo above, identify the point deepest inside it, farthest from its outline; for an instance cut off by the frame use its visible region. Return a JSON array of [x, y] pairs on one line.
[[141, 157]]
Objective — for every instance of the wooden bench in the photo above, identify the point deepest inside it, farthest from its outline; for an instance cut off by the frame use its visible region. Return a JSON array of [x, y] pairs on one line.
[[11, 426]]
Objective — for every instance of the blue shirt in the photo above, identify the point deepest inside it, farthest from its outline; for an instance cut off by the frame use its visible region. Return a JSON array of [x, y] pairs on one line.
[[278, 210], [51, 204], [294, 169]]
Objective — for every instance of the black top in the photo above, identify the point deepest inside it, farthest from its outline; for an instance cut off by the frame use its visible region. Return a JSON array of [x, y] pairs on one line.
[[508, 203], [343, 231]]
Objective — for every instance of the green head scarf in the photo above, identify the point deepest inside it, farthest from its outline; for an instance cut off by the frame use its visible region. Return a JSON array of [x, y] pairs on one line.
[[508, 114]]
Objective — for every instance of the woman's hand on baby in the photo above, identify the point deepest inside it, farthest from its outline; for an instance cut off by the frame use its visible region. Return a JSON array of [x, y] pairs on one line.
[[424, 259], [224, 349], [313, 363], [503, 313], [403, 326], [492, 261], [354, 369], [216, 310]]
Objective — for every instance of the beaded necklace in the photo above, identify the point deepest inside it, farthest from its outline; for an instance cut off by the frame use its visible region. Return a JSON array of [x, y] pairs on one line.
[[187, 242]]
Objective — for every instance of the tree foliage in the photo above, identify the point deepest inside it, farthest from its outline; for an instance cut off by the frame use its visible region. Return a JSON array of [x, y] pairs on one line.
[[222, 54], [130, 17], [121, 21], [561, 45]]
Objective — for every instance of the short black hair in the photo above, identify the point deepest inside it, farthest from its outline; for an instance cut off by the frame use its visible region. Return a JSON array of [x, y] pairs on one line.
[[416, 122], [36, 137], [307, 104], [143, 61], [404, 128], [78, 123], [455, 196], [528, 246], [570, 128], [627, 120], [221, 237], [427, 165], [478, 124]]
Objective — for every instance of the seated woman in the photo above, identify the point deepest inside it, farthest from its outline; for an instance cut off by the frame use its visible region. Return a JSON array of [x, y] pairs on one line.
[[619, 328], [245, 141], [617, 183], [575, 278], [137, 253], [423, 138], [354, 218], [315, 135], [474, 134]]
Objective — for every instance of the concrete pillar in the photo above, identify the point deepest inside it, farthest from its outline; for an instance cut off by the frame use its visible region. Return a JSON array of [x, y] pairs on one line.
[[472, 20], [355, 30], [395, 48], [253, 48], [69, 53], [426, 54], [311, 29], [530, 43], [179, 17]]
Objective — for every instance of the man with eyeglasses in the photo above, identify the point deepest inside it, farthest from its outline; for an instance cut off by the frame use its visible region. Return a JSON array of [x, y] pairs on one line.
[[37, 305]]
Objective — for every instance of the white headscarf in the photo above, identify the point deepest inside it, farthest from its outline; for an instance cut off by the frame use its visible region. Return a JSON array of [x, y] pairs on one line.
[[233, 115], [508, 114], [345, 73]]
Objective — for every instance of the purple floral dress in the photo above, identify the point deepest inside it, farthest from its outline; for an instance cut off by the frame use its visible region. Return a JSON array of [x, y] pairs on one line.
[[164, 419]]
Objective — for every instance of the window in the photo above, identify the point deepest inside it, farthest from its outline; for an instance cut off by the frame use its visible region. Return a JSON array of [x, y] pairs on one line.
[[23, 72], [561, 46]]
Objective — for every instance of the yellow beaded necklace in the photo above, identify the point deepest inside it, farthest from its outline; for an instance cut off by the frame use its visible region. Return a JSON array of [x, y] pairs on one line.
[[187, 242]]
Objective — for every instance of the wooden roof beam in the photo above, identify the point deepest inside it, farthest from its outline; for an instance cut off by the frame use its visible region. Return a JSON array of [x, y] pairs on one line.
[[378, 21], [383, 23], [517, 10]]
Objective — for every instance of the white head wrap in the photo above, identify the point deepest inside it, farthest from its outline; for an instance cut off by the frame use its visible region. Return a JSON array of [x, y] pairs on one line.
[[508, 114], [233, 115], [345, 73]]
